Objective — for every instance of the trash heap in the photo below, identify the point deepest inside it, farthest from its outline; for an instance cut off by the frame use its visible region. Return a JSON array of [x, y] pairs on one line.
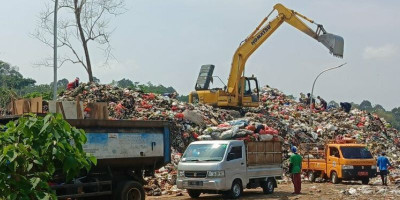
[[279, 117]]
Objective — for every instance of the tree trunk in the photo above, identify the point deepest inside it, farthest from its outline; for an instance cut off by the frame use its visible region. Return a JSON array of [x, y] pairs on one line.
[[84, 42]]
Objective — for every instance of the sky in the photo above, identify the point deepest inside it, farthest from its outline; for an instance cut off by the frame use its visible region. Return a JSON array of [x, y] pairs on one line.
[[166, 42]]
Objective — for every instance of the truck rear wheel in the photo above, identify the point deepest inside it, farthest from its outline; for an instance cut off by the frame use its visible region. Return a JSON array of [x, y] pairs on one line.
[[334, 178], [129, 190], [365, 181], [194, 193], [268, 186], [311, 176]]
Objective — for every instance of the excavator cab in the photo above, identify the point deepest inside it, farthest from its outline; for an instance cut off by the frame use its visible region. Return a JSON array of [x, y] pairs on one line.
[[251, 94]]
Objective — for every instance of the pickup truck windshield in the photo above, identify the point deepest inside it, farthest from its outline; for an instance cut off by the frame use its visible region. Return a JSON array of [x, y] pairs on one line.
[[204, 152], [356, 152]]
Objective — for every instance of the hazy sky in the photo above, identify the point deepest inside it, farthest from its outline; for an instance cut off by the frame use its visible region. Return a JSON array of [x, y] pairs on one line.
[[166, 41]]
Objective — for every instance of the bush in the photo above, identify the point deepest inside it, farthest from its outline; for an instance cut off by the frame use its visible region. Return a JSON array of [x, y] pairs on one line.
[[32, 149]]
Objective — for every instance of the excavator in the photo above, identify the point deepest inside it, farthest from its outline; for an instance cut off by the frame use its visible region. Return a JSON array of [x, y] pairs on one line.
[[239, 92]]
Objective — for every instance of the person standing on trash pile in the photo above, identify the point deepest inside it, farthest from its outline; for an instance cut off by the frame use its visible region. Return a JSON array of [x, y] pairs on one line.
[[302, 98], [295, 170], [383, 164], [308, 100], [345, 106], [74, 84], [323, 103]]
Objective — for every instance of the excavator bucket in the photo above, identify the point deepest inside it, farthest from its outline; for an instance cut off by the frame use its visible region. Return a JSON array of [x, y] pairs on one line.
[[334, 43]]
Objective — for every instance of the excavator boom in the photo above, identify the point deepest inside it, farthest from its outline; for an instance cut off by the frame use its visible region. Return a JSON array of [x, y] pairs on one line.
[[264, 30], [238, 92]]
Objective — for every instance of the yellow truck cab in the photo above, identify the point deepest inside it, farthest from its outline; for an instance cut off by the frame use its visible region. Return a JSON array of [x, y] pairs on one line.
[[339, 160]]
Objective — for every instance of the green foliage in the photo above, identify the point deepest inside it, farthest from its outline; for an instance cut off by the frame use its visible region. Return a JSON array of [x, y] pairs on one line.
[[44, 95], [158, 89], [5, 96], [183, 98], [33, 149], [11, 78], [366, 105], [334, 103], [125, 83]]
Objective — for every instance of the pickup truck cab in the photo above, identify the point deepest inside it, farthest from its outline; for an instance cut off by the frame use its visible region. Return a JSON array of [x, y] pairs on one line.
[[228, 166], [341, 161]]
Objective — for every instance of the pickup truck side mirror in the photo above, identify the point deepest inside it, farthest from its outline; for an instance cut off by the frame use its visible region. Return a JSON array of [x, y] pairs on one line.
[[231, 156]]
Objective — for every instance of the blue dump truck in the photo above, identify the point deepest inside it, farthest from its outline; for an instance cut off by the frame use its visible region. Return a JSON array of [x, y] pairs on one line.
[[126, 151]]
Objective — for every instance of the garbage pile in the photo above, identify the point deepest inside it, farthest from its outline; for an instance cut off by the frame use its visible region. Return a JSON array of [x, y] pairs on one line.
[[369, 190], [278, 117]]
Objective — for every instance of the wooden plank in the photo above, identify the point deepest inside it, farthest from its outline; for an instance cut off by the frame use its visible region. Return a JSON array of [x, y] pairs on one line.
[[36, 105], [269, 146]]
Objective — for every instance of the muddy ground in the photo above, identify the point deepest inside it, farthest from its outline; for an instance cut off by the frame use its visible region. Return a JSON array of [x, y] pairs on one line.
[[325, 190]]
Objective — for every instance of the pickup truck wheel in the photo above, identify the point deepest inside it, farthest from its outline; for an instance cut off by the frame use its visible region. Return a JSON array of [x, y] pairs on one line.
[[268, 186], [194, 193], [311, 176], [236, 190], [334, 178], [365, 181], [129, 190]]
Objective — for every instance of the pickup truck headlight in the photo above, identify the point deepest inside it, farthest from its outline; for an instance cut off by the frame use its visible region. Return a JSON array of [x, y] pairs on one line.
[[347, 167], [373, 166], [220, 173], [181, 173]]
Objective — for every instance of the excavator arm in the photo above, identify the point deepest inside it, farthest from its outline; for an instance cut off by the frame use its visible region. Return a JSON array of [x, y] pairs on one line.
[[263, 31]]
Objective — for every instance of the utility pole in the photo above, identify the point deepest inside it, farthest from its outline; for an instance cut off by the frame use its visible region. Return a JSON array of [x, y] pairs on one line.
[[55, 51]]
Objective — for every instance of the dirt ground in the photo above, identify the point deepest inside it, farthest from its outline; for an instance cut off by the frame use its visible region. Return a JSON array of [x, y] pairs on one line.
[[321, 191]]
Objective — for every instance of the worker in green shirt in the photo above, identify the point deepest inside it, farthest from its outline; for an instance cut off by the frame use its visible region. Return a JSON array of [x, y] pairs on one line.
[[295, 170]]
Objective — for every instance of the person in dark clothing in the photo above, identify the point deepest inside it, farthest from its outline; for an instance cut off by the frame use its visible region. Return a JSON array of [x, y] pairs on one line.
[[383, 164], [308, 99], [345, 106], [323, 103]]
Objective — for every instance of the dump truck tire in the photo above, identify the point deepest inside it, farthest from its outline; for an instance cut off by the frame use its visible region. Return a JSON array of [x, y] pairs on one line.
[[129, 190], [311, 176]]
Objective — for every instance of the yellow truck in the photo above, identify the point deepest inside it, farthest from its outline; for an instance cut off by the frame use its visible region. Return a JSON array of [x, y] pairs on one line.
[[338, 160]]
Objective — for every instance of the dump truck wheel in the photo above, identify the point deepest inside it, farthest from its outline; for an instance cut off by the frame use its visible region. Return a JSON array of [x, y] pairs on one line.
[[365, 181], [311, 176], [194, 193], [129, 190], [268, 186], [334, 178]]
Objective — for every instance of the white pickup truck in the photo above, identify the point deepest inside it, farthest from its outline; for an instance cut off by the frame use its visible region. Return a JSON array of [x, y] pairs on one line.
[[228, 166]]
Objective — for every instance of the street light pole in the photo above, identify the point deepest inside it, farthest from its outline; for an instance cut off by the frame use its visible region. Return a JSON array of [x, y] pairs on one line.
[[312, 89], [55, 51]]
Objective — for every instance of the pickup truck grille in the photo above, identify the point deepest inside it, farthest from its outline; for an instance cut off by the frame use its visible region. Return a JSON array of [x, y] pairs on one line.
[[197, 174]]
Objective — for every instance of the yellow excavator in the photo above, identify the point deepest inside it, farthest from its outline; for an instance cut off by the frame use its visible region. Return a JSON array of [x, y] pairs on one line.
[[239, 92]]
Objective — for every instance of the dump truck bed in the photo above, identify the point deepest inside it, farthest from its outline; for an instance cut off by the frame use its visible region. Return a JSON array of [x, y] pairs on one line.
[[314, 164], [126, 143]]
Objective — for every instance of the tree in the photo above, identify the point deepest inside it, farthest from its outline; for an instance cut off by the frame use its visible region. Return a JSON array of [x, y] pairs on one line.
[[125, 83], [11, 78], [96, 80], [62, 83], [334, 103], [379, 107], [82, 22], [366, 105]]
